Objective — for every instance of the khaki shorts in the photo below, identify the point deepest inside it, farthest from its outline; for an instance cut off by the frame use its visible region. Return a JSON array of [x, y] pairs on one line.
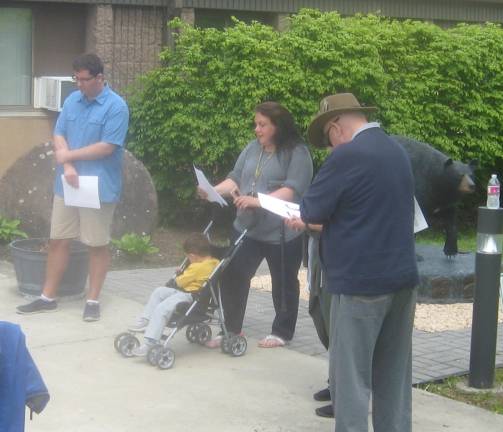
[[91, 226]]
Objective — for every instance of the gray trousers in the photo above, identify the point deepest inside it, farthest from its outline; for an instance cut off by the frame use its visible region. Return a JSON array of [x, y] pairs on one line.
[[160, 306], [371, 353]]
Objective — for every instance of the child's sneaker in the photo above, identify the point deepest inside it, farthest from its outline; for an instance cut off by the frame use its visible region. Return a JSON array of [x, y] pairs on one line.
[[139, 326], [142, 350]]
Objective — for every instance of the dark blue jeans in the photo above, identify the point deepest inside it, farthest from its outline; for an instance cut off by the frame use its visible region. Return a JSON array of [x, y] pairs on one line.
[[236, 284]]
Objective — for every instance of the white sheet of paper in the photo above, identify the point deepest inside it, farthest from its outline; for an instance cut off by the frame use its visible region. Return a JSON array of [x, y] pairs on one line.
[[205, 185], [86, 195], [280, 207], [419, 220]]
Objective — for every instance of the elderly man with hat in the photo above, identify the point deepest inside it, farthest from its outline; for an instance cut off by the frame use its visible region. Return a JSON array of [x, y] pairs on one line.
[[363, 195]]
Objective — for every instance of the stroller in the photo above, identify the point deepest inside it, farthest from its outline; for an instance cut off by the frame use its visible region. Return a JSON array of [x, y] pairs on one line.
[[196, 316]]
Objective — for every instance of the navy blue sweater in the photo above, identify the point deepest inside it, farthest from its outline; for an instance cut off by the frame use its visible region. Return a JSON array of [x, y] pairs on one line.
[[20, 380], [363, 196]]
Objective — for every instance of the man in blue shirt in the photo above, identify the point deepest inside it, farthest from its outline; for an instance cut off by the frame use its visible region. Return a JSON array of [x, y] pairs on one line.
[[363, 195], [88, 141]]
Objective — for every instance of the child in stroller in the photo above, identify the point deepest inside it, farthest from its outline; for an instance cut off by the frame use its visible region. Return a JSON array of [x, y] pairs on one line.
[[189, 299], [164, 299]]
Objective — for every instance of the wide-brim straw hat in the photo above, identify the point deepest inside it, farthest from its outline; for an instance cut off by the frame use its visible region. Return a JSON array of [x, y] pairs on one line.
[[330, 107]]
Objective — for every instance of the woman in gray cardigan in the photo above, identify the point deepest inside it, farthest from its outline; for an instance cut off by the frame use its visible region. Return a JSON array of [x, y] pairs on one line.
[[277, 163]]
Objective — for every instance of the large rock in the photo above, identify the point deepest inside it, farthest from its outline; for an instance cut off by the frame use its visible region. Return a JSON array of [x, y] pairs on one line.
[[26, 194]]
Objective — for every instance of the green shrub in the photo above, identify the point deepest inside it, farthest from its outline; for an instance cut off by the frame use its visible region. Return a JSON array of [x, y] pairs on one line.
[[9, 230], [135, 246], [444, 87]]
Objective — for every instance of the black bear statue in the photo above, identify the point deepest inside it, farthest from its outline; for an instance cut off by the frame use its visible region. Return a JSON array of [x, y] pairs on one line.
[[440, 183]]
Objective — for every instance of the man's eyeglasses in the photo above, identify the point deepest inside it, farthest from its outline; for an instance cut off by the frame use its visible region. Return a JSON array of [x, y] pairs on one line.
[[83, 79]]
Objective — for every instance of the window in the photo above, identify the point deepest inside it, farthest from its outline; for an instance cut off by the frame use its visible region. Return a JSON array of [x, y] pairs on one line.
[[221, 19], [15, 52]]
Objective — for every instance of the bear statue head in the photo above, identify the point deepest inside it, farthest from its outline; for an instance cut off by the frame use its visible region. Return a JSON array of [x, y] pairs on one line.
[[459, 176]]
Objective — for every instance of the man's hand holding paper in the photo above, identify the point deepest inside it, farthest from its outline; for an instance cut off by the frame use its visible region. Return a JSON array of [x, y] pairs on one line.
[[86, 195]]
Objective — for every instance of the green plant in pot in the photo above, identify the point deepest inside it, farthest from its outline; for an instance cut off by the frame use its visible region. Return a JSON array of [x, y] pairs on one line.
[[9, 230]]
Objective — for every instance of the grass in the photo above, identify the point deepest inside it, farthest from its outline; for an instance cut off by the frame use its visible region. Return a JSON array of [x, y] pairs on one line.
[[467, 240], [487, 400]]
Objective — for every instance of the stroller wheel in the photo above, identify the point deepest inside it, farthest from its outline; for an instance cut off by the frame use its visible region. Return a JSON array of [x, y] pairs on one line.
[[153, 354], [203, 334], [166, 358], [237, 345], [118, 339], [192, 333], [128, 344]]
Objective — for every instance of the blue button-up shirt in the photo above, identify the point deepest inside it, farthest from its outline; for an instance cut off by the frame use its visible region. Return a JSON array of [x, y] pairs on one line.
[[82, 123]]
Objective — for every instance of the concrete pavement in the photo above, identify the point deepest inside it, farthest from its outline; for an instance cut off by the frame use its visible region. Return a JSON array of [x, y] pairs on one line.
[[434, 355], [94, 389]]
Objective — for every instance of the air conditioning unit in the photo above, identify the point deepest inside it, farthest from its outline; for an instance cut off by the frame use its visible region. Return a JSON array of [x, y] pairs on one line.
[[50, 92]]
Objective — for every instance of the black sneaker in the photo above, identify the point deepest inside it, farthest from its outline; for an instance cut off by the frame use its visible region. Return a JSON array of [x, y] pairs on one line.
[[91, 312], [37, 306], [322, 395], [325, 411]]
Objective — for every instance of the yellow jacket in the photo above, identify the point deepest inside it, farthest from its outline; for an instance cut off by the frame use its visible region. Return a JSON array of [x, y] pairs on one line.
[[195, 275]]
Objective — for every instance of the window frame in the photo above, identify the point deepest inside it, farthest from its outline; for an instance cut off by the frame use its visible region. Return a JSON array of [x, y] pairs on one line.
[[28, 108]]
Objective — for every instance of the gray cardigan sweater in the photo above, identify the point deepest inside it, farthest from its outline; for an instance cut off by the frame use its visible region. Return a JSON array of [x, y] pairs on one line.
[[293, 169]]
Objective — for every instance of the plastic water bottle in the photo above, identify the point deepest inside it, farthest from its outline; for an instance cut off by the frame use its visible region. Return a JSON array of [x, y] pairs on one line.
[[493, 193]]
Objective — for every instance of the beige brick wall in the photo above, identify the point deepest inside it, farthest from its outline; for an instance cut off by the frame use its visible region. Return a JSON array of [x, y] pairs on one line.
[[188, 15], [128, 39]]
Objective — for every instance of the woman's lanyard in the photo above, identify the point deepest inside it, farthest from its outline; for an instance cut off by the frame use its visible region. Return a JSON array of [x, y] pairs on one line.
[[258, 170]]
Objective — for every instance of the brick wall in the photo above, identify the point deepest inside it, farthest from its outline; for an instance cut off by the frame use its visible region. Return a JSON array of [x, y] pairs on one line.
[[128, 39]]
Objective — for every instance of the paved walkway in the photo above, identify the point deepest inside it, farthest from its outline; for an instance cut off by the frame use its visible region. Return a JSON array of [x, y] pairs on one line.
[[435, 355], [93, 388]]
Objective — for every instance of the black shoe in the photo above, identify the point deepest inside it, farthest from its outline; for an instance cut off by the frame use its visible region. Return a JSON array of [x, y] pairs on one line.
[[91, 312], [37, 306], [325, 411], [322, 395]]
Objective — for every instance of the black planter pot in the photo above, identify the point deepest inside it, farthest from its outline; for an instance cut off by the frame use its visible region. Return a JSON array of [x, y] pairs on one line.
[[30, 259]]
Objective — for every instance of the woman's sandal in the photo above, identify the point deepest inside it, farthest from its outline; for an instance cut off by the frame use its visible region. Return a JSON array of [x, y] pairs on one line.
[[272, 341], [216, 342]]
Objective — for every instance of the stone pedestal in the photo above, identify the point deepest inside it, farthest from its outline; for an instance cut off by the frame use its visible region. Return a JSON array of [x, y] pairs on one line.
[[442, 279]]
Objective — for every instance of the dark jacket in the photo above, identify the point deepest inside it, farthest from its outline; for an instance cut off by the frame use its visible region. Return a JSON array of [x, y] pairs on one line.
[[363, 196], [20, 380]]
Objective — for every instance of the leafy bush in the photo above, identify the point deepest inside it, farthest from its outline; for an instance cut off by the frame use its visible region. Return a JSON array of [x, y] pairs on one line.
[[135, 246], [444, 87], [9, 230]]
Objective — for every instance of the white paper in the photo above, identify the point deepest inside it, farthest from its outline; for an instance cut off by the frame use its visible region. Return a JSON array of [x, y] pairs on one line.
[[86, 195], [419, 220], [205, 185], [280, 207]]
